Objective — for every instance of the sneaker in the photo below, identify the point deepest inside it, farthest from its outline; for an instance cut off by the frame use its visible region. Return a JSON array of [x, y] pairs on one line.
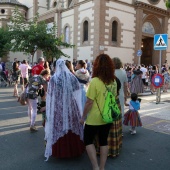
[[130, 130], [133, 132], [33, 129]]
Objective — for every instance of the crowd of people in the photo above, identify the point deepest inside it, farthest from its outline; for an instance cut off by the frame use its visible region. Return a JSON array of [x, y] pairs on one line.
[[140, 78], [73, 94]]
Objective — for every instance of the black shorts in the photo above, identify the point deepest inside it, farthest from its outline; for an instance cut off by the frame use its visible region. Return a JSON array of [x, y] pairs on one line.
[[144, 81], [90, 131], [25, 82]]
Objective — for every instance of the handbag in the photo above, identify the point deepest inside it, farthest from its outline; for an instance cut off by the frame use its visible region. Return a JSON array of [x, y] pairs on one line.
[[23, 98]]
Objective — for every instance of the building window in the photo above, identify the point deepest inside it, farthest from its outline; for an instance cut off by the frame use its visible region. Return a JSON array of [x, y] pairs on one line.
[[70, 3], [2, 11], [114, 30], [50, 27], [154, 2], [148, 28], [85, 31], [67, 34], [54, 4]]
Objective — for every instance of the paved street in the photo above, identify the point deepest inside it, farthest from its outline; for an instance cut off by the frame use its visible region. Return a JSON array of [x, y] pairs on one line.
[[149, 149]]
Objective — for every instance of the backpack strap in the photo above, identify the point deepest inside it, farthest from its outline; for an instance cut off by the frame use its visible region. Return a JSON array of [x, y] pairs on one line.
[[132, 105], [99, 108], [108, 88], [97, 102]]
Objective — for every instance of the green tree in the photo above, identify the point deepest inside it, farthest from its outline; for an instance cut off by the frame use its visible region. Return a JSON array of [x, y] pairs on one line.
[[167, 3], [4, 42], [28, 37]]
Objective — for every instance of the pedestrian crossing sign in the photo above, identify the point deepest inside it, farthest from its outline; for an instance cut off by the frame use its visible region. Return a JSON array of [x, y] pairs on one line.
[[160, 41]]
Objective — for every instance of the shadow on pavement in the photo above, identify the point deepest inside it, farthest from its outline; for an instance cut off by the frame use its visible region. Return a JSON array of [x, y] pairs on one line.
[[22, 150], [146, 150]]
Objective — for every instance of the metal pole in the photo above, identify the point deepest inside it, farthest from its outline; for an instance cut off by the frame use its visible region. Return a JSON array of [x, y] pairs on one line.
[[158, 93], [139, 60]]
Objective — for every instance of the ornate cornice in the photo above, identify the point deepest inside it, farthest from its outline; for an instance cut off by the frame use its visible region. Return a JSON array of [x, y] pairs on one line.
[[49, 15], [151, 8]]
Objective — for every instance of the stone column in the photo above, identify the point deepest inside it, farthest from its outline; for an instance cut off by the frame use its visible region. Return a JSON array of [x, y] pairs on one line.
[[138, 32], [102, 22], [97, 24], [59, 24], [35, 7], [75, 31]]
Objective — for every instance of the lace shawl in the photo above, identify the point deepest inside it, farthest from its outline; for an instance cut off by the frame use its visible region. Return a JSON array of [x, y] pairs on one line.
[[63, 106]]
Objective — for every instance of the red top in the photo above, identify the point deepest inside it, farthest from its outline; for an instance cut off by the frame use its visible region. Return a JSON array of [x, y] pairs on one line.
[[36, 70]]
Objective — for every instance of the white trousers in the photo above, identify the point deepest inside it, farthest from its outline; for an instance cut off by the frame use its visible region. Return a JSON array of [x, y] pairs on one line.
[[32, 110]]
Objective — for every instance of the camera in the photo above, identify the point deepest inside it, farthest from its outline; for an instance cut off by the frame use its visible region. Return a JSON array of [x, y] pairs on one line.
[[40, 105], [139, 99]]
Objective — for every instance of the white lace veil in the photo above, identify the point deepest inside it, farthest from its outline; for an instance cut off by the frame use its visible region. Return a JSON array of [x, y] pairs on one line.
[[63, 106]]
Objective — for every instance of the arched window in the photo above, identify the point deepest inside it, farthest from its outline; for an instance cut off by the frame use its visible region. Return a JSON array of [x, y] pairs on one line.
[[70, 3], [2, 11], [148, 28], [67, 34], [85, 31], [114, 30], [54, 4]]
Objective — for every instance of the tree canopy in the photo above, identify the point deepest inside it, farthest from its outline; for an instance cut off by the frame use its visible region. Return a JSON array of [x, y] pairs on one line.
[[30, 36], [4, 42], [167, 3]]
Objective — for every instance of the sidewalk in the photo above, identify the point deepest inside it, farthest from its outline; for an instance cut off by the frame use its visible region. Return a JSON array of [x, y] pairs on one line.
[[149, 149]]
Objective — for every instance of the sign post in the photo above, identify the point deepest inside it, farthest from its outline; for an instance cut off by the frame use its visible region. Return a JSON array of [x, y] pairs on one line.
[[160, 43], [158, 81], [139, 53]]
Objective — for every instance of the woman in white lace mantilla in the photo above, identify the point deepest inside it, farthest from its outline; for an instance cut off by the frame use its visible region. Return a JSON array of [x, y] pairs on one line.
[[63, 132]]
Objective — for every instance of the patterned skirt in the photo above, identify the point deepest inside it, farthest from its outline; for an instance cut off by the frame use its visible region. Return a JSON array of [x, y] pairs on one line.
[[114, 139], [136, 85], [132, 118]]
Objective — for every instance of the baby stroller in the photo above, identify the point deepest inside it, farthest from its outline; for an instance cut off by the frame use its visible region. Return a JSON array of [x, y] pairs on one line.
[[3, 79]]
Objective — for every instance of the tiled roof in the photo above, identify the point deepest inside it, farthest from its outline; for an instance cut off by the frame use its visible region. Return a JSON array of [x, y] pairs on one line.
[[15, 2]]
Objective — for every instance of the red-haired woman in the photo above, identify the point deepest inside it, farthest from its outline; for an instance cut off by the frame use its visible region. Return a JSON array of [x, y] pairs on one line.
[[103, 75]]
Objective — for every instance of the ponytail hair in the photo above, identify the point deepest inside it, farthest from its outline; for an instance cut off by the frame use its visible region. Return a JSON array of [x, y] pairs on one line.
[[82, 63]]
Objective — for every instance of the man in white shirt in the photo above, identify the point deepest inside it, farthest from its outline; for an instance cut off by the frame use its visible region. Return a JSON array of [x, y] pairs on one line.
[[24, 73], [145, 74]]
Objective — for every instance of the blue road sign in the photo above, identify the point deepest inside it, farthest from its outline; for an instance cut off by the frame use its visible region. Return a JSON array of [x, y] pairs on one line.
[[160, 41], [139, 53]]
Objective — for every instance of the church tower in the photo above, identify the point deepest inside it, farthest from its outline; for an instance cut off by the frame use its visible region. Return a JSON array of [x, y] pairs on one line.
[[6, 9]]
